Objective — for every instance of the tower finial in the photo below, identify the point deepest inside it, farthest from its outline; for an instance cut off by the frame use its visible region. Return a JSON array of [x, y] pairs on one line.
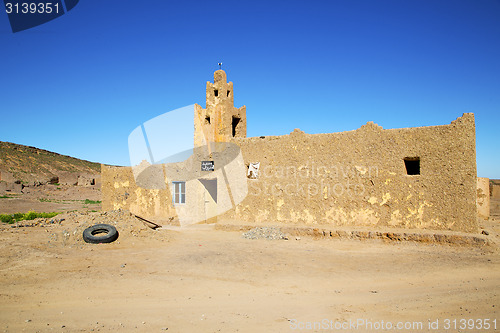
[[220, 65]]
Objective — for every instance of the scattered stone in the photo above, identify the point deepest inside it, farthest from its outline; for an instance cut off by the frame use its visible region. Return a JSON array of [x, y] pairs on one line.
[[270, 233], [484, 232]]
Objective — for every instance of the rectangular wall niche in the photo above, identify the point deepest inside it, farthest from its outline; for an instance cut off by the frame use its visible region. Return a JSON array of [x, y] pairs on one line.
[[412, 165], [236, 121]]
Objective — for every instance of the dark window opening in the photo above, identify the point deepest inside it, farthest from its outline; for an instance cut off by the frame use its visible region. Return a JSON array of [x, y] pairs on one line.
[[412, 165], [216, 92], [207, 120], [228, 93], [236, 121]]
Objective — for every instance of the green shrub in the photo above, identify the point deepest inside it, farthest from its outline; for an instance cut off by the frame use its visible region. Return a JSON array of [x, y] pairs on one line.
[[6, 218], [47, 215], [11, 218], [91, 202]]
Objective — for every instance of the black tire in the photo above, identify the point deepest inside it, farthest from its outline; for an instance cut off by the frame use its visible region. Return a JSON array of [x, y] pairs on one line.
[[100, 233]]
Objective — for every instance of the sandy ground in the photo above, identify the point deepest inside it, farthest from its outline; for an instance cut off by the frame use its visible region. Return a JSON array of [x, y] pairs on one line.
[[201, 280], [205, 280]]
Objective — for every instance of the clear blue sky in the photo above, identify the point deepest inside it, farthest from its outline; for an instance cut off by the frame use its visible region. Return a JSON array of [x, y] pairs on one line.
[[81, 83]]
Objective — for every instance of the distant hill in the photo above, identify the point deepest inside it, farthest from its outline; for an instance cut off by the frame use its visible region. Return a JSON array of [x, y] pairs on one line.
[[28, 164]]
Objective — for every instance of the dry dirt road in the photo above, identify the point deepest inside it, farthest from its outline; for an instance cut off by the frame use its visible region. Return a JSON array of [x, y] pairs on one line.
[[200, 280]]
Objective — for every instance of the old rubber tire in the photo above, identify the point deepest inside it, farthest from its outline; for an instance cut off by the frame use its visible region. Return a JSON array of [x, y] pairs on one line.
[[100, 233]]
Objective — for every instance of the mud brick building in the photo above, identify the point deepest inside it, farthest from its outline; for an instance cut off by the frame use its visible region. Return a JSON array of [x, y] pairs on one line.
[[423, 177]]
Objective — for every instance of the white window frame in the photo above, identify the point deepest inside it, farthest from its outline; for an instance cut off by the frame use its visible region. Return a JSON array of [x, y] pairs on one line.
[[178, 193]]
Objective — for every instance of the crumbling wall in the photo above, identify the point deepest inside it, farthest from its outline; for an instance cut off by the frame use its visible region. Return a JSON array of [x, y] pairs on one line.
[[120, 191], [360, 178], [483, 198]]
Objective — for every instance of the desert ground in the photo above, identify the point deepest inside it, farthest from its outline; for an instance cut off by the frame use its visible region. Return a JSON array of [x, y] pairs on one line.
[[201, 279]]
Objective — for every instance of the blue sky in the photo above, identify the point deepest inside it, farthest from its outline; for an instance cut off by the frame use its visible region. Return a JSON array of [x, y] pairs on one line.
[[78, 85]]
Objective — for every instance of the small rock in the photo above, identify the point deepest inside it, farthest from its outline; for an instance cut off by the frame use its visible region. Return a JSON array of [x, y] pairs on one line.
[[28, 320], [484, 232]]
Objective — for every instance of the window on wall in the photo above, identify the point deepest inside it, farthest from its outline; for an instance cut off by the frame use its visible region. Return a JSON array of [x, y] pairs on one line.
[[216, 92], [179, 192], [412, 165]]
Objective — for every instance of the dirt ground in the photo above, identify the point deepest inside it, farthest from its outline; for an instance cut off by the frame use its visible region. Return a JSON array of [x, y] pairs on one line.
[[204, 280]]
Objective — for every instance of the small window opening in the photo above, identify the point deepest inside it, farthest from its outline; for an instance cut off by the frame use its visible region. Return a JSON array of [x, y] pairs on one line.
[[207, 120], [179, 192], [412, 165], [228, 93], [236, 121], [216, 92]]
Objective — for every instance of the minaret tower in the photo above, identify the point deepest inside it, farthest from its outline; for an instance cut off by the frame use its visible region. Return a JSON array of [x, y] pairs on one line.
[[220, 121]]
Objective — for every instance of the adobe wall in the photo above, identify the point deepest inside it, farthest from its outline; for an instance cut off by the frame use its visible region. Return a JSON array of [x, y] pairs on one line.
[[495, 191], [146, 191], [358, 178], [120, 191], [483, 198]]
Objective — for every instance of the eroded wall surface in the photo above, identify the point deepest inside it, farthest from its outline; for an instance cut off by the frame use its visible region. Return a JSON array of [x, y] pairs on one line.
[[495, 191], [483, 198], [360, 178], [355, 178], [120, 191]]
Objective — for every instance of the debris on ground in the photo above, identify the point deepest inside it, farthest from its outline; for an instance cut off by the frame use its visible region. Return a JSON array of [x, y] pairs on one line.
[[69, 227], [270, 233]]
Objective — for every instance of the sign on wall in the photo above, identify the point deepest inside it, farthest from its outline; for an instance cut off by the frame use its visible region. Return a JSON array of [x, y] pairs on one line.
[[207, 166]]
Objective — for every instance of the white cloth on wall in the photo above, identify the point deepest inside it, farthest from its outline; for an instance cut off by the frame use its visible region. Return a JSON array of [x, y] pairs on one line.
[[253, 170]]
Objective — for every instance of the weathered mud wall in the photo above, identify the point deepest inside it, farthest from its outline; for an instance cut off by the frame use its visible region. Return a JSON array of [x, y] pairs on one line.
[[119, 190], [421, 177], [360, 178], [495, 191], [483, 198]]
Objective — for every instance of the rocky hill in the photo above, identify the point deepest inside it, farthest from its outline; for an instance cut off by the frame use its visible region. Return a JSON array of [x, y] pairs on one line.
[[29, 164]]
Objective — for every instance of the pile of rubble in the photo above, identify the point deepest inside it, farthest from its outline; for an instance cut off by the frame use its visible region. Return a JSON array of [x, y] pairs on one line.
[[270, 233]]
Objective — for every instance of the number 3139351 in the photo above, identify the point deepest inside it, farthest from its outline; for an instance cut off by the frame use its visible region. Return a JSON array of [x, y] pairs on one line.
[[32, 8], [464, 324]]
